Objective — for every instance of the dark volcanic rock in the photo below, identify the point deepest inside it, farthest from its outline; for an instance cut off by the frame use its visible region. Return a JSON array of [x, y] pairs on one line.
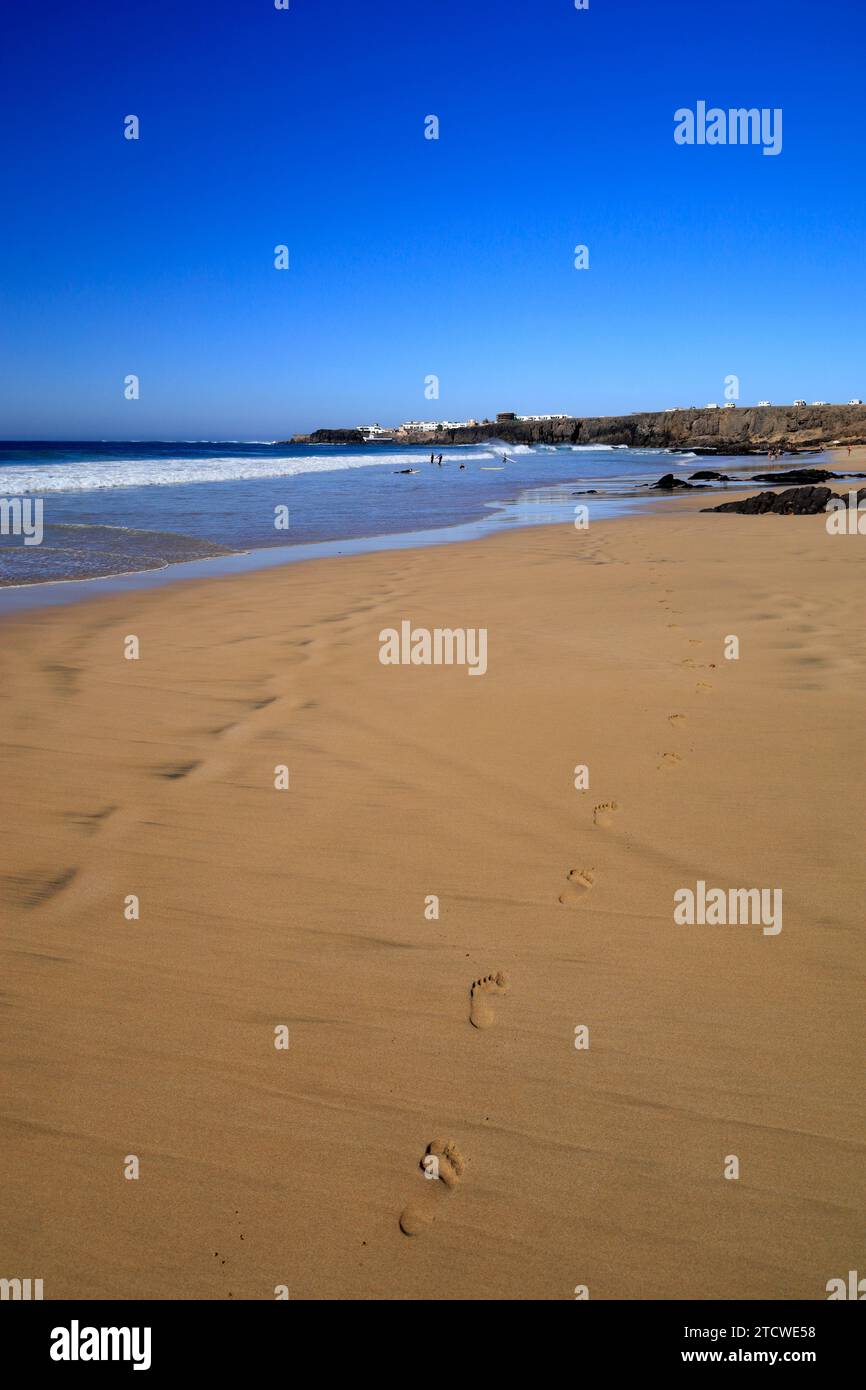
[[669, 482], [795, 475], [794, 501], [708, 475], [336, 437]]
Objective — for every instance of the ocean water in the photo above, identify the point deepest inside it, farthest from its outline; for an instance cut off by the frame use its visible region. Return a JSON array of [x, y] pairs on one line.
[[114, 509]]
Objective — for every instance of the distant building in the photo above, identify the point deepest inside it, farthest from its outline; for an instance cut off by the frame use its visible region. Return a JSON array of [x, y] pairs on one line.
[[763, 402], [375, 432], [820, 402], [799, 402], [730, 405], [711, 406], [506, 415], [855, 400], [425, 426]]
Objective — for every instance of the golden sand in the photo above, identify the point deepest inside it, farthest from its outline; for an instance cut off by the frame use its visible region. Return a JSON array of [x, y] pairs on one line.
[[309, 908]]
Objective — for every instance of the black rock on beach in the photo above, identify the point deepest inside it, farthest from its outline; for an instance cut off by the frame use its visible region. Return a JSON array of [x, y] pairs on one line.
[[668, 483], [801, 475], [794, 501]]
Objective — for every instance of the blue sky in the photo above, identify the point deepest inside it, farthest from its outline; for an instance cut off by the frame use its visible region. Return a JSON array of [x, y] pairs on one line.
[[412, 257]]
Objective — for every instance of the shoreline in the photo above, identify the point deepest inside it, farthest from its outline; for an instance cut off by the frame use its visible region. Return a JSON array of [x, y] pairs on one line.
[[305, 909], [501, 519], [498, 514]]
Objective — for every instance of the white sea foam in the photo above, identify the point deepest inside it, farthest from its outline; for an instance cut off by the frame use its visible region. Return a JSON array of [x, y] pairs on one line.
[[505, 446], [97, 475]]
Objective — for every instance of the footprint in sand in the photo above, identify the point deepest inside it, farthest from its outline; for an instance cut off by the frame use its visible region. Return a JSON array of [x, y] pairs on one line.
[[703, 685], [442, 1160], [669, 760], [580, 883], [481, 1014], [603, 814], [676, 719]]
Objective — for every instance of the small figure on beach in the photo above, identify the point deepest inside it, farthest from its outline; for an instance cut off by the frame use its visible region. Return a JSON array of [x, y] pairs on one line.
[[439, 460], [432, 456]]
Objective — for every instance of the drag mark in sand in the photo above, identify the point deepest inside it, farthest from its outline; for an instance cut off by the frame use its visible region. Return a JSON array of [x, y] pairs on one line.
[[175, 772], [32, 889], [481, 1014], [442, 1160]]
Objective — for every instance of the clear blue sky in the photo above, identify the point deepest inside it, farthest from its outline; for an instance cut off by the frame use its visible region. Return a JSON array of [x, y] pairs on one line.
[[411, 256]]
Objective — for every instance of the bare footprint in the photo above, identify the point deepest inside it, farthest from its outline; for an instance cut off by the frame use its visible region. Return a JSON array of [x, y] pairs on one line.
[[442, 1160], [669, 760], [580, 883], [603, 814], [703, 685], [481, 1014], [677, 719]]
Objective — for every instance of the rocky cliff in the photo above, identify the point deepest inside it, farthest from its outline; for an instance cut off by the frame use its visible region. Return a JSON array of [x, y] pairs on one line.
[[745, 430], [328, 437]]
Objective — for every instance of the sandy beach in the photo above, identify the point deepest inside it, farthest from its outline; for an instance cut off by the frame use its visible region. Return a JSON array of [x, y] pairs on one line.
[[308, 908]]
